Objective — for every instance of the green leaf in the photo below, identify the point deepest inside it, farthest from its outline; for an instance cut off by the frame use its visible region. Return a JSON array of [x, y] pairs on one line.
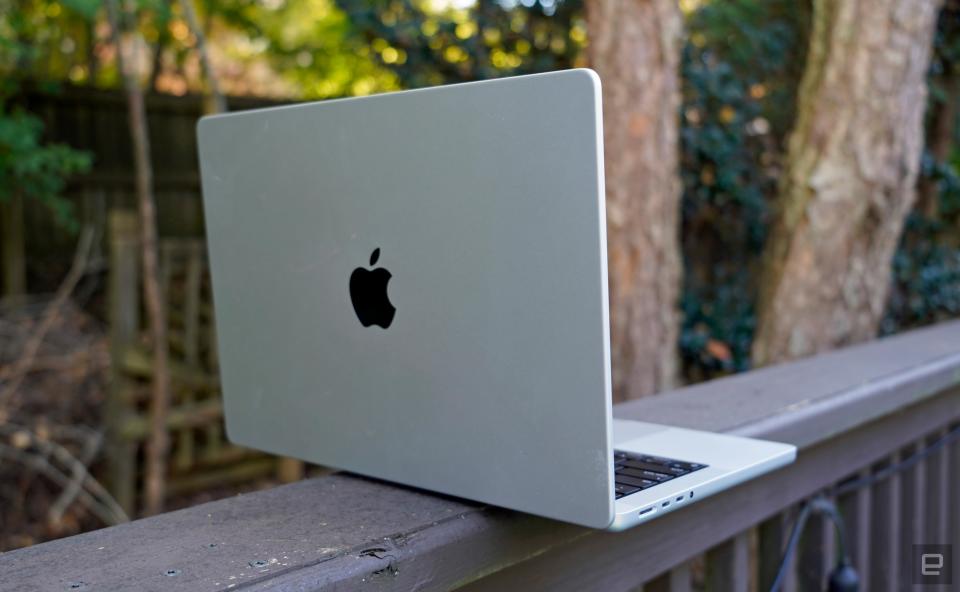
[[86, 8]]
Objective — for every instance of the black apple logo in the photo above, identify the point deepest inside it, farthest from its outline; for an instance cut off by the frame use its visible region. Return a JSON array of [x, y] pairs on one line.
[[368, 292]]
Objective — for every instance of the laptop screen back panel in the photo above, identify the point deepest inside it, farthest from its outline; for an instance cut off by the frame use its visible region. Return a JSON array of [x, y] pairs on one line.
[[484, 204]]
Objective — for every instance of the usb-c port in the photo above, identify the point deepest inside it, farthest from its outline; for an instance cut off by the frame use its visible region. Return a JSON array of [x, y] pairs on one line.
[[665, 504]]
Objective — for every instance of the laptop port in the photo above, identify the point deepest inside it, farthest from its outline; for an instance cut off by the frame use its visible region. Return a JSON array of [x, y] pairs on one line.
[[665, 504], [691, 495], [679, 499], [646, 510]]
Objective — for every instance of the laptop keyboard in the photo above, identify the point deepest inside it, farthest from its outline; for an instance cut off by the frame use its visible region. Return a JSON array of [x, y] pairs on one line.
[[636, 472]]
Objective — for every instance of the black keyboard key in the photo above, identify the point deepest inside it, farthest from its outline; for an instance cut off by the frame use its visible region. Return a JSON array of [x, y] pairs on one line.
[[644, 462], [634, 482], [641, 483], [651, 475], [645, 466], [625, 489]]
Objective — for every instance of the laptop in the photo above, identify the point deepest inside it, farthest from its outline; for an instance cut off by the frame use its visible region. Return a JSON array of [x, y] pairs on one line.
[[413, 286]]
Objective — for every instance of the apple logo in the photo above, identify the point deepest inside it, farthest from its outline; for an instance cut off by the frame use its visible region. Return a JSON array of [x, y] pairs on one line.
[[368, 292]]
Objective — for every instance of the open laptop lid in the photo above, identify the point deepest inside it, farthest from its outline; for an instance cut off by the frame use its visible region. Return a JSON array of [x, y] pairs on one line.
[[484, 201]]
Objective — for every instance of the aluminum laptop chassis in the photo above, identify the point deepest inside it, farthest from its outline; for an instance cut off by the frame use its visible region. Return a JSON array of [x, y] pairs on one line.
[[483, 369], [730, 460]]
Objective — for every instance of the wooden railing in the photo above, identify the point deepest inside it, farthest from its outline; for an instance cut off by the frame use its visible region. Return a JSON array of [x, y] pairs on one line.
[[851, 413]]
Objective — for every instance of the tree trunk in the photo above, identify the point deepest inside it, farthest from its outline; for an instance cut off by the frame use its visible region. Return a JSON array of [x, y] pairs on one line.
[[217, 100], [159, 440], [634, 45], [850, 176]]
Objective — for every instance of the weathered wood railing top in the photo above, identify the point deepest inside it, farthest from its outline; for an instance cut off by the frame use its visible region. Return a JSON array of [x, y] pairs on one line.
[[344, 532]]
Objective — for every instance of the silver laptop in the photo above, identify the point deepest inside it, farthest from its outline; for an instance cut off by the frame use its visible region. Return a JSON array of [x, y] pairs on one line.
[[413, 286]]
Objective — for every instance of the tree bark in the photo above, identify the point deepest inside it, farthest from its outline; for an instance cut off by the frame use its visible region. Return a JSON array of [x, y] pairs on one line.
[[850, 176], [159, 440], [634, 45]]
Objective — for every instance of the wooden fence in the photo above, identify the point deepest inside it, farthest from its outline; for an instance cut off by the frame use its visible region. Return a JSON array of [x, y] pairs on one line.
[[95, 120], [201, 458], [851, 413]]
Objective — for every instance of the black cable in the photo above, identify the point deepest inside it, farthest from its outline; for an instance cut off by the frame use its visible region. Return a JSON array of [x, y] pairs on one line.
[[893, 468], [819, 505], [844, 577]]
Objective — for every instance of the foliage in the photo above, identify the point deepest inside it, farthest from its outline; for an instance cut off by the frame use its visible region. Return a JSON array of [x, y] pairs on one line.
[[310, 42], [739, 86], [36, 170], [425, 45], [926, 267], [926, 279], [29, 167], [741, 67], [946, 47]]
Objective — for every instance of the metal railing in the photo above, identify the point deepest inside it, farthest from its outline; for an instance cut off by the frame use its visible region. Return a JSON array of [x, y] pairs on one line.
[[852, 413]]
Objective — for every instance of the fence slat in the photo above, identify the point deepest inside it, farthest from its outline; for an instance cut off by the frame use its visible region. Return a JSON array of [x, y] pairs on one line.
[[855, 508], [186, 454], [660, 583], [680, 578], [813, 559], [771, 538], [885, 543], [912, 512], [954, 464], [191, 309], [936, 514], [675, 580], [728, 565], [12, 249], [124, 319]]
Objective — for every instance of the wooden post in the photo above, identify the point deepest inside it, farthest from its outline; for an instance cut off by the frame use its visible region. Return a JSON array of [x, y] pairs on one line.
[[814, 555], [289, 470], [728, 565], [855, 508], [953, 486], [884, 553], [186, 454], [913, 482], [11, 235], [937, 518], [124, 320], [772, 535], [680, 580]]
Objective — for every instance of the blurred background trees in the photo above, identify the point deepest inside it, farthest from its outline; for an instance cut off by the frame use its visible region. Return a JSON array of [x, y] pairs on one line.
[[635, 48], [740, 62], [719, 115]]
